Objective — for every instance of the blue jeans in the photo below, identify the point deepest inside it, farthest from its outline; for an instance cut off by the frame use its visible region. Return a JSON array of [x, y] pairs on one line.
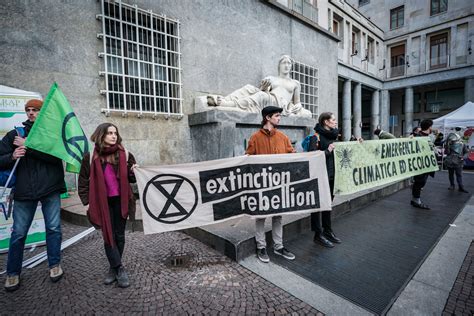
[[23, 214]]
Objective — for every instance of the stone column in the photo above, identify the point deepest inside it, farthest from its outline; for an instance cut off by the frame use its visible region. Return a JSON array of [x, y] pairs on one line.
[[375, 116], [408, 110], [385, 110], [346, 110], [469, 89], [357, 121]]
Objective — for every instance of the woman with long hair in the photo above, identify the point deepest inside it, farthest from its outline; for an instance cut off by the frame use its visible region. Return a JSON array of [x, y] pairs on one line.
[[104, 186], [326, 134]]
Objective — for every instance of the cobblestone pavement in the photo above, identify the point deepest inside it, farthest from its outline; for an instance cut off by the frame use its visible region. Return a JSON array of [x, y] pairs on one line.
[[461, 297], [204, 282]]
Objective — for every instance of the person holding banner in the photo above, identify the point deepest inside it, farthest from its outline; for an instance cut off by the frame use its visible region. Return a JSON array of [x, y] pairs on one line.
[[420, 180], [269, 140], [39, 178], [323, 139], [104, 186]]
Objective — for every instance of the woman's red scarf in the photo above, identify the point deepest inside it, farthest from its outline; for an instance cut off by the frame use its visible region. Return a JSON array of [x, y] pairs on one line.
[[99, 214]]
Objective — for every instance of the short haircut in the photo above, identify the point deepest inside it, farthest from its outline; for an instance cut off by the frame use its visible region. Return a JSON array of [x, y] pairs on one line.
[[425, 124]]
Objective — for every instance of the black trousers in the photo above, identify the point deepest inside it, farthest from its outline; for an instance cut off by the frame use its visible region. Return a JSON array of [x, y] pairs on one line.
[[458, 171], [114, 254], [321, 221], [420, 181]]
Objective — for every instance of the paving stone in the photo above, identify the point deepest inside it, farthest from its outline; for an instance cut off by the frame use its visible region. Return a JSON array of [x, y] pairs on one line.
[[461, 297], [208, 283]]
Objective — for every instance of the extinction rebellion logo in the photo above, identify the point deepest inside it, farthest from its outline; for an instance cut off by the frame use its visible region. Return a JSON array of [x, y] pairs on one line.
[[76, 145], [176, 207]]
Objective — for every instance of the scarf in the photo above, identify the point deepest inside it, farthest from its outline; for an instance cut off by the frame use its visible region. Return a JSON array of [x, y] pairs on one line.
[[326, 137], [98, 204]]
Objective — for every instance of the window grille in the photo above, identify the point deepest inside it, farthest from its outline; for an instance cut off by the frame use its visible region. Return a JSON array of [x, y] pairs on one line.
[[308, 78], [142, 61]]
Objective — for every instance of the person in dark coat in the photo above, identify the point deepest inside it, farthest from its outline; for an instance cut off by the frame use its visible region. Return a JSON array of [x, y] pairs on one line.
[[324, 138], [39, 178], [420, 180], [104, 187], [454, 161]]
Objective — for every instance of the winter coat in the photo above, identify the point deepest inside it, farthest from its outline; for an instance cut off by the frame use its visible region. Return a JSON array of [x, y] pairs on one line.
[[455, 151], [269, 142], [83, 182], [37, 174], [321, 141]]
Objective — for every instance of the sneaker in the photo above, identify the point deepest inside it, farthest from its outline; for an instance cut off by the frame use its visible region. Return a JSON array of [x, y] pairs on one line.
[[461, 189], [56, 273], [122, 277], [262, 255], [451, 187], [110, 277], [285, 253], [12, 283]]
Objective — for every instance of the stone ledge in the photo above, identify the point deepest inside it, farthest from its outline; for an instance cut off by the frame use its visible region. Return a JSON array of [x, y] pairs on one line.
[[208, 115]]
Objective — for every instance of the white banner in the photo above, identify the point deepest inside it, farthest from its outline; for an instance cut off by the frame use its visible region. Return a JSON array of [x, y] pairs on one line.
[[190, 195]]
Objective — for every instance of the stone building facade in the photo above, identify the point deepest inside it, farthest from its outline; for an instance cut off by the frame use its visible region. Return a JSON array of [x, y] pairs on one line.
[[388, 64], [221, 45], [399, 61], [427, 63]]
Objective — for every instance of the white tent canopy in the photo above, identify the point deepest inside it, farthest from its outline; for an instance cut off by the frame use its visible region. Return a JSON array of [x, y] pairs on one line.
[[4, 91], [12, 107], [462, 117]]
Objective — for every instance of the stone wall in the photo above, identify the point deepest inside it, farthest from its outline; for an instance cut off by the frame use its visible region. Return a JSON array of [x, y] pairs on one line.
[[225, 44]]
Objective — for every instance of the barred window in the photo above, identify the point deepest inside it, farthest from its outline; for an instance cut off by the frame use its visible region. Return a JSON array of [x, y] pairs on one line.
[[308, 78], [142, 61]]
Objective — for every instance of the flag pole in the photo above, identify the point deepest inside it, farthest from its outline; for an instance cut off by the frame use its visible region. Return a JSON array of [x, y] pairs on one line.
[[6, 186]]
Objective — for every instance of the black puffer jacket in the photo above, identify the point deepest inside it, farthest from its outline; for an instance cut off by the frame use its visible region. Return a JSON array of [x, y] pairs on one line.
[[325, 137], [37, 175]]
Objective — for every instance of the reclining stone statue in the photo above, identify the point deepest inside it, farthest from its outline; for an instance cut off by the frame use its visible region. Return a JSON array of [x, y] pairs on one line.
[[281, 91]]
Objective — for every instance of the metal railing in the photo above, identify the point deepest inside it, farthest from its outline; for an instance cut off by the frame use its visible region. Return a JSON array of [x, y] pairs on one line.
[[397, 71], [142, 61], [308, 78]]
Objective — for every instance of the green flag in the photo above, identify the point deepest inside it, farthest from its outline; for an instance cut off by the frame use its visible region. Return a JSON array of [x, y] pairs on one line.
[[57, 131]]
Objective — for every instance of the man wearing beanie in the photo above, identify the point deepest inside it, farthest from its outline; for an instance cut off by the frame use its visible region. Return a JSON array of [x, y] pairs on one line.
[[39, 178], [269, 140]]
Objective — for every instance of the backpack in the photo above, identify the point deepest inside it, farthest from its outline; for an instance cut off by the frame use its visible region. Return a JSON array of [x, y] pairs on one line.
[[4, 174], [306, 141]]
